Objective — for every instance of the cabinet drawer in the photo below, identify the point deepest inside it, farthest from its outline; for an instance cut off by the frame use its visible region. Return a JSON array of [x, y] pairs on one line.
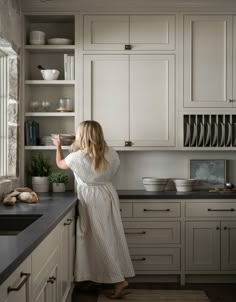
[[126, 209], [152, 232], [211, 209], [155, 259], [156, 209]]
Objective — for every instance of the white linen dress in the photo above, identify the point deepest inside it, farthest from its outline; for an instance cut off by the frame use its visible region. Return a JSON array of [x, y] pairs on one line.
[[102, 254]]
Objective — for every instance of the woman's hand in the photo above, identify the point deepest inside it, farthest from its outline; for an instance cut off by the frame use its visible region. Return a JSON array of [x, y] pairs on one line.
[[57, 141]]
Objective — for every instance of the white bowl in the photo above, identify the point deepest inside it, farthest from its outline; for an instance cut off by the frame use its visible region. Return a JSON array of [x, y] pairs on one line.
[[154, 180], [59, 41], [37, 33], [50, 74], [154, 187], [183, 185], [37, 41]]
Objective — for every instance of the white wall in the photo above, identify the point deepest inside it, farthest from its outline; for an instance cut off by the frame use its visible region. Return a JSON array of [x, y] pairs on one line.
[[172, 164]]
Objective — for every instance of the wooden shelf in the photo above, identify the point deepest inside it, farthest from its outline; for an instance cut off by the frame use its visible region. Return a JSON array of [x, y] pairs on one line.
[[50, 48], [48, 114], [52, 83], [45, 147]]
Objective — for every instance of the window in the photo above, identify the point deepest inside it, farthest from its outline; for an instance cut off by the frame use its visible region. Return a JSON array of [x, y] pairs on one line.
[[8, 111]]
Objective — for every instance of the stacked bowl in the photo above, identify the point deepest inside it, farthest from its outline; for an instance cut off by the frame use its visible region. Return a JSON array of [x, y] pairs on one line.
[[183, 185], [37, 37], [154, 184]]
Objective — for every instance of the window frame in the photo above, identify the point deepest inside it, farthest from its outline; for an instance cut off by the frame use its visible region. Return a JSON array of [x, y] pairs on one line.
[[8, 176]]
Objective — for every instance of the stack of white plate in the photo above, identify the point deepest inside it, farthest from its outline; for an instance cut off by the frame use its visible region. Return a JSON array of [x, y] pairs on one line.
[[37, 37], [183, 185], [46, 140], [154, 184], [66, 139]]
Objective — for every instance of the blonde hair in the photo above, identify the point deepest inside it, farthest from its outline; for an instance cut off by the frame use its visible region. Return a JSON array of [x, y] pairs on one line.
[[90, 138]]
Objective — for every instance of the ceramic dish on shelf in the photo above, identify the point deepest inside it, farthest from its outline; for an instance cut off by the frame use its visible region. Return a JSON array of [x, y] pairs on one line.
[[208, 136], [229, 139], [66, 139], [222, 133], [194, 136], [59, 41], [187, 135], [201, 135]]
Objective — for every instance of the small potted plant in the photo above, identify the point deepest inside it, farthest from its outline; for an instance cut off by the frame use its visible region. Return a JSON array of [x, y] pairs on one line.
[[59, 180], [40, 169]]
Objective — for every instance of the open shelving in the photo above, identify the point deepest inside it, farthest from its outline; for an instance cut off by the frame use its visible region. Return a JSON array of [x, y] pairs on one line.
[[35, 88]]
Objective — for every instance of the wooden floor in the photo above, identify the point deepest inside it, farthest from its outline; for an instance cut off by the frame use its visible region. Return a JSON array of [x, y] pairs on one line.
[[87, 292]]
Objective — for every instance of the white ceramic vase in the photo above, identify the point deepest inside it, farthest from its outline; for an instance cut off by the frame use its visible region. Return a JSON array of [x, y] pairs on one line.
[[58, 187], [40, 184]]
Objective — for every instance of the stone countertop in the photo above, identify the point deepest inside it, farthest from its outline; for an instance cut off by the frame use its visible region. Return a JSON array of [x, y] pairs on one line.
[[14, 249], [142, 194]]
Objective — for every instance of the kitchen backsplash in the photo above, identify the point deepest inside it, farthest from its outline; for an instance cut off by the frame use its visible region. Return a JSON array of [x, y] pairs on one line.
[[135, 165]]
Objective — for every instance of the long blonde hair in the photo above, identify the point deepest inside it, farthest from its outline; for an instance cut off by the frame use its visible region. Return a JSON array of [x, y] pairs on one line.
[[90, 138]]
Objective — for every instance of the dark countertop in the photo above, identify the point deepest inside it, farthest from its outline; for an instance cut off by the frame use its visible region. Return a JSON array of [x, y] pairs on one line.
[[53, 207], [142, 194], [16, 248]]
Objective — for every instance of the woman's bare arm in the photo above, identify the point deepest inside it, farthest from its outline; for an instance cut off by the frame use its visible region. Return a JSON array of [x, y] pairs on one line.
[[59, 155]]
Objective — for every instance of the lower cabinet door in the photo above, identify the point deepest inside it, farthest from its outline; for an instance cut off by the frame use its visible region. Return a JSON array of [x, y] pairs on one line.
[[202, 246], [228, 245], [155, 260]]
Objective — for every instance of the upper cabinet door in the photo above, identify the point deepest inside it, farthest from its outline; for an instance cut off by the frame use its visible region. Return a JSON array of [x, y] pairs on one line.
[[135, 32], [207, 61], [152, 100], [106, 32], [234, 61], [152, 32], [106, 95]]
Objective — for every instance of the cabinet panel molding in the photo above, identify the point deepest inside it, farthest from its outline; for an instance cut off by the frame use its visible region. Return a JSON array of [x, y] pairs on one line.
[[207, 61]]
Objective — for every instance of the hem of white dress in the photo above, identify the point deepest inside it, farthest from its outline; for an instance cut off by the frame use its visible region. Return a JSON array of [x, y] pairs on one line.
[[99, 280]]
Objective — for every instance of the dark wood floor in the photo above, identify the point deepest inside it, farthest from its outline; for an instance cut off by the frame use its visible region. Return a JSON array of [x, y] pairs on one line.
[[87, 292]]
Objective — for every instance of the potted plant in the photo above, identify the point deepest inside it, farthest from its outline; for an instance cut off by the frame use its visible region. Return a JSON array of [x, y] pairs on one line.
[[40, 169], [59, 181]]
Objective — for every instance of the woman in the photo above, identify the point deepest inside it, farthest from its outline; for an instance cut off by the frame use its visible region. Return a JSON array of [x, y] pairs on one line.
[[102, 254]]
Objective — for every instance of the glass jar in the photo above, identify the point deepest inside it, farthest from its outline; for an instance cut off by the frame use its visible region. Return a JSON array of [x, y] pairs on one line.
[[65, 104]]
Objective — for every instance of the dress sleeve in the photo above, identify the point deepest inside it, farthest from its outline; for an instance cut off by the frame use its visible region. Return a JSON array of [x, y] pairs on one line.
[[71, 159]]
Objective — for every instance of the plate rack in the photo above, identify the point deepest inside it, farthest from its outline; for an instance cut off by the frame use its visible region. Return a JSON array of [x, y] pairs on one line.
[[209, 130]]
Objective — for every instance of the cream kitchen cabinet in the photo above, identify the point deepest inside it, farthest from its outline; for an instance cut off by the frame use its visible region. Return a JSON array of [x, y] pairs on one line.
[[133, 97], [134, 32], [152, 230], [211, 240], [45, 269], [208, 61], [53, 262], [67, 255], [18, 286]]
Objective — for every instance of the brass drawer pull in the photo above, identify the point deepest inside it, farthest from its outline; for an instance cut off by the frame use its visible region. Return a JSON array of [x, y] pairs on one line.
[[26, 275], [139, 233], [156, 210], [139, 259], [69, 221], [221, 210]]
